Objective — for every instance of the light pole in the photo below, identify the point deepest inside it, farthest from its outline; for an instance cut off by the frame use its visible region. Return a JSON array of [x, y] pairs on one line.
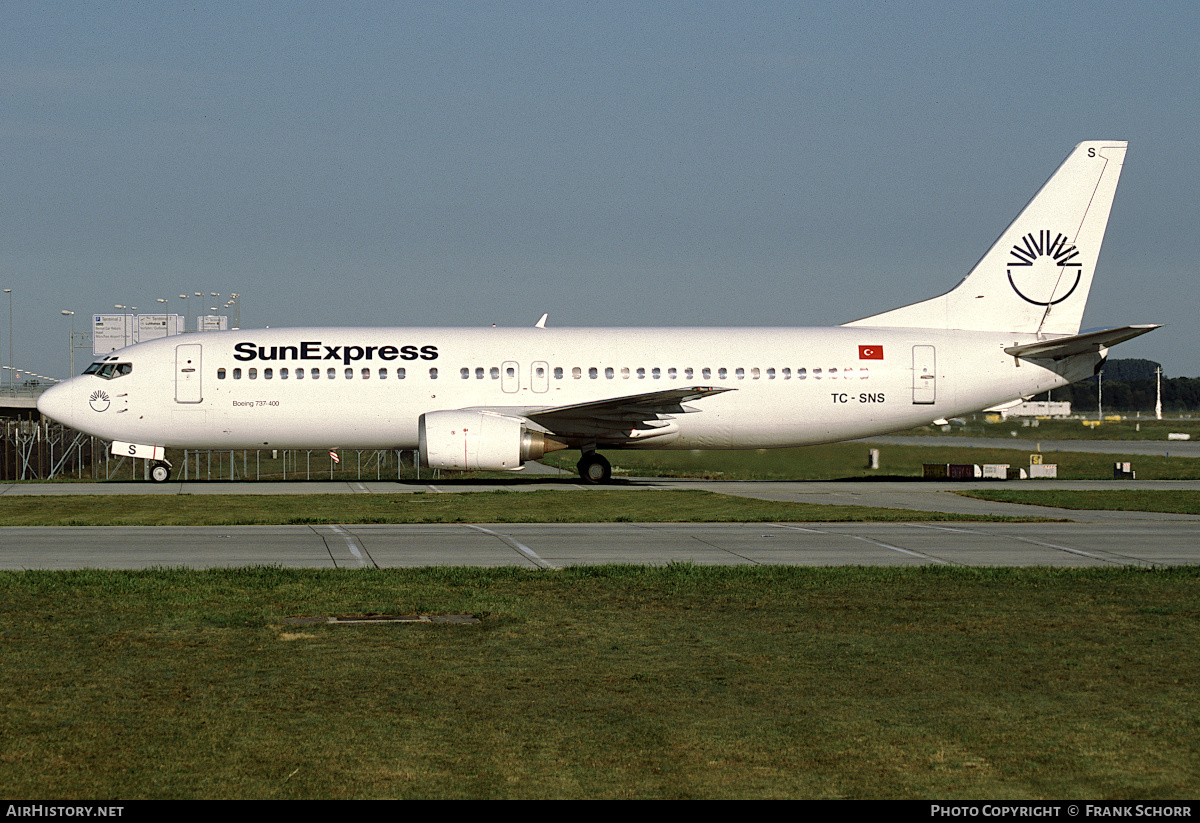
[[71, 342], [1158, 393], [11, 370]]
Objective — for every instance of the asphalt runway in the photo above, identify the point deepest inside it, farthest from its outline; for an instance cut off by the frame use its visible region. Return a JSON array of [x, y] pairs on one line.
[[1090, 538]]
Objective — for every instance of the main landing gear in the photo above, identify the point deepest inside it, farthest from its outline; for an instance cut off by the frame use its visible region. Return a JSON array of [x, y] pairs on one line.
[[593, 468]]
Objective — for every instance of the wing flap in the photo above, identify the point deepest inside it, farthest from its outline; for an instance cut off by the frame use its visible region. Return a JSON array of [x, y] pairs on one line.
[[622, 419]]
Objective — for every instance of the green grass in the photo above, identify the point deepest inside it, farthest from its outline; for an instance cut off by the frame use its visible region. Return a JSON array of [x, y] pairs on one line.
[[849, 461], [609, 682], [1127, 428], [1173, 501], [601, 505]]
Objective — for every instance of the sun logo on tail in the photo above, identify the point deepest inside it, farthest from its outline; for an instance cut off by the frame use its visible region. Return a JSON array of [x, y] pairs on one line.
[[1042, 267]]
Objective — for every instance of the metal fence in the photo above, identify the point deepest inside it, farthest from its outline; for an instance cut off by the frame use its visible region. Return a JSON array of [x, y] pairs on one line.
[[43, 450]]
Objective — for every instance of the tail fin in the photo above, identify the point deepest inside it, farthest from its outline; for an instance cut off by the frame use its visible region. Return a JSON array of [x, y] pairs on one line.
[[1036, 277]]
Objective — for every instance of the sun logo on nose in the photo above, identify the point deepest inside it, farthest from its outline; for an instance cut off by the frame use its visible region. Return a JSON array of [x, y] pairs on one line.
[[1044, 271], [99, 400]]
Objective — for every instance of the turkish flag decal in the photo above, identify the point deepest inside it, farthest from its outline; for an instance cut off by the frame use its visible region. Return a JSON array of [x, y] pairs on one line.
[[870, 352]]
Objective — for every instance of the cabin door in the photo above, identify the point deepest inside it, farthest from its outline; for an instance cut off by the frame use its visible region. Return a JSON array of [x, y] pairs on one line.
[[924, 387], [510, 376], [187, 373], [539, 376]]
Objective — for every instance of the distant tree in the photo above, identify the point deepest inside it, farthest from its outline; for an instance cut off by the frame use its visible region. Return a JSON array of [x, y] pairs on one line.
[[1127, 371], [1129, 386]]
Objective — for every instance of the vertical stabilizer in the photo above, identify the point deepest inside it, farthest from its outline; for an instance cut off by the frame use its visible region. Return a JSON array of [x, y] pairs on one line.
[[1036, 277]]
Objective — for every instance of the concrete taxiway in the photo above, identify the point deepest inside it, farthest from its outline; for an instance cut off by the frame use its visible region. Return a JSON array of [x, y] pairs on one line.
[[556, 546], [1091, 538]]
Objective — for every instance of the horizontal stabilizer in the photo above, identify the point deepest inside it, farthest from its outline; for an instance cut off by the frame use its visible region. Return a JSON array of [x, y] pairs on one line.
[[1087, 343]]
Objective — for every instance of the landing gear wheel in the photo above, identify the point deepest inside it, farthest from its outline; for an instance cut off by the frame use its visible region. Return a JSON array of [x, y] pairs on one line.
[[160, 472], [593, 468]]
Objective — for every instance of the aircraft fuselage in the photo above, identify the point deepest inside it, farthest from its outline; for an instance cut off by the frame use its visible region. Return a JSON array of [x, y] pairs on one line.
[[367, 387]]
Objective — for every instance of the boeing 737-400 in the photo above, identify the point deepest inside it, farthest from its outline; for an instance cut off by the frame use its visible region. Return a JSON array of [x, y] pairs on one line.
[[491, 399]]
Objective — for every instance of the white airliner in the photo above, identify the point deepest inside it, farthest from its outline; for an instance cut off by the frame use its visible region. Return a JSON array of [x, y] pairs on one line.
[[491, 399]]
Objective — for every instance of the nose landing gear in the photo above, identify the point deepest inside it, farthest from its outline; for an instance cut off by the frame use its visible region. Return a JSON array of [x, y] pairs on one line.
[[160, 472]]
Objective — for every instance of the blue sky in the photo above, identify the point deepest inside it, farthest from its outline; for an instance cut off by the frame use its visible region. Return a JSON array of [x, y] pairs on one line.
[[391, 163]]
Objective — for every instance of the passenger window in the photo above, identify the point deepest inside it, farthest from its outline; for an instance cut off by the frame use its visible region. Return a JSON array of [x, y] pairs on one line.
[[671, 373], [433, 373], [315, 374], [558, 373], [479, 373], [237, 374], [816, 374], [299, 374], [268, 374], [656, 373], [253, 374], [624, 372], [722, 373], [495, 373], [465, 373], [688, 373], [401, 373], [283, 374], [641, 373], [741, 373], [706, 373], [366, 374], [331, 373], [770, 374], [593, 373], [576, 373], [383, 372], [787, 374], [754, 373], [349, 373], [801, 374], [220, 374], [609, 374]]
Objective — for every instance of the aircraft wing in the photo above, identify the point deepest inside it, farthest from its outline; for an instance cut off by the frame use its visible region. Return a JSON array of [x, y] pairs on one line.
[[1087, 343], [621, 419]]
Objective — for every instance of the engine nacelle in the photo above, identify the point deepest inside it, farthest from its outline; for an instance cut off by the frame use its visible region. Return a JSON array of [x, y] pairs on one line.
[[479, 441]]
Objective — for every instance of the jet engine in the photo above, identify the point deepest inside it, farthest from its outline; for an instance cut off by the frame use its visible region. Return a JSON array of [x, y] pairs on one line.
[[480, 441]]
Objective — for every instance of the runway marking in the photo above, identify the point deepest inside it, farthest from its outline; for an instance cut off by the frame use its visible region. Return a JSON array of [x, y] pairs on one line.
[[724, 550], [873, 541], [1113, 558], [352, 545], [521, 547]]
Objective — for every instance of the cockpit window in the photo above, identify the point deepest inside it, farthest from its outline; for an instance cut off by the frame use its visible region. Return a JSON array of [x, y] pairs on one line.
[[109, 371]]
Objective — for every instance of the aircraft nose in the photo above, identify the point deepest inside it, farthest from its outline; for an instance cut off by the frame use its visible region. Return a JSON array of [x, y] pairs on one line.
[[55, 402]]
